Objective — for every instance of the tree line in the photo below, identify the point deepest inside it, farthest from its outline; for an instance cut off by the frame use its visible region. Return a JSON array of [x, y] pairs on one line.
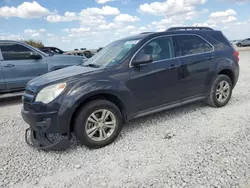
[[34, 43]]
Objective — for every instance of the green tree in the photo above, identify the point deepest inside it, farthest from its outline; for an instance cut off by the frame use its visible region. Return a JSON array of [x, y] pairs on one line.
[[34, 43]]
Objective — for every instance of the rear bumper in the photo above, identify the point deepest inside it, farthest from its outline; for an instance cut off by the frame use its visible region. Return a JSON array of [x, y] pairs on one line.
[[236, 75]]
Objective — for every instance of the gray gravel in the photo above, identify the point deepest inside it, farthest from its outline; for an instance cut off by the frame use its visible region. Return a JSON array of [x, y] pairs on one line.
[[191, 146]]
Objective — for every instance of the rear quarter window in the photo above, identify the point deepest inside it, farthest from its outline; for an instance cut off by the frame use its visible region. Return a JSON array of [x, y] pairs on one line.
[[191, 45], [218, 40]]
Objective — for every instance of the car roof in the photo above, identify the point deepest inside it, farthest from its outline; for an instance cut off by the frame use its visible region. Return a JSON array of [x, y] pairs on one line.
[[49, 47], [44, 47], [155, 34], [11, 41]]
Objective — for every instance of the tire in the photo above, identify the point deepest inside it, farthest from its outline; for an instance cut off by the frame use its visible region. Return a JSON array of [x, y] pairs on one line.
[[84, 123], [239, 45], [214, 94]]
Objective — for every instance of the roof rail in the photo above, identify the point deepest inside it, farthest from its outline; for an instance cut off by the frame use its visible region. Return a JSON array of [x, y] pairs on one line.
[[146, 33], [189, 28]]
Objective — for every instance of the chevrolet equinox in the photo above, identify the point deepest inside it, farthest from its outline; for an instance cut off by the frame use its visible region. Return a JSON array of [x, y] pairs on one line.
[[129, 78]]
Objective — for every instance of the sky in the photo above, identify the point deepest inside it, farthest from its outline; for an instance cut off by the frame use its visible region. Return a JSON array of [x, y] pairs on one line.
[[95, 23]]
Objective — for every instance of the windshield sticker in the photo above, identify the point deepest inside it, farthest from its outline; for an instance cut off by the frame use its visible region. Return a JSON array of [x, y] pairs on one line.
[[131, 42]]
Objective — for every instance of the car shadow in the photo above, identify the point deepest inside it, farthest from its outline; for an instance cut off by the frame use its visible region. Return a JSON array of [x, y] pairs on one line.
[[167, 114], [173, 113], [10, 101]]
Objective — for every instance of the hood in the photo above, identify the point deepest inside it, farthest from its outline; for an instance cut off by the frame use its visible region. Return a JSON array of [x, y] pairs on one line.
[[66, 58], [59, 75]]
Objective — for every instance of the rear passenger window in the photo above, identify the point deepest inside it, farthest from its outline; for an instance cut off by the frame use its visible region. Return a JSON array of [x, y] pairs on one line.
[[12, 51], [190, 45]]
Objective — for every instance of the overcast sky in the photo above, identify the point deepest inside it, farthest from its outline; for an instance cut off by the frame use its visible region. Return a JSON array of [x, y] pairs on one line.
[[70, 24]]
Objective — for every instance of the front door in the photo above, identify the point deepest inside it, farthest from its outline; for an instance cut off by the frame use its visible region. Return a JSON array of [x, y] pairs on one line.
[[197, 61], [19, 67], [156, 84]]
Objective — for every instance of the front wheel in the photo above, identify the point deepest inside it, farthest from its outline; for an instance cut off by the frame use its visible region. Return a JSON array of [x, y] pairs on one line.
[[220, 92], [98, 123], [239, 45]]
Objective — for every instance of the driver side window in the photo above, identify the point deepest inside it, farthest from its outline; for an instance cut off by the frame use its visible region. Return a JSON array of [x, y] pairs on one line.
[[11, 51], [160, 48]]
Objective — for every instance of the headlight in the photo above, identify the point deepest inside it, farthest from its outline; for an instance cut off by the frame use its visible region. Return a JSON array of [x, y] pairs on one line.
[[49, 93]]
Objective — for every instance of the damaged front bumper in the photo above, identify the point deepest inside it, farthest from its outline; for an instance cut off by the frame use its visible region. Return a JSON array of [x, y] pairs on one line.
[[46, 141], [43, 133]]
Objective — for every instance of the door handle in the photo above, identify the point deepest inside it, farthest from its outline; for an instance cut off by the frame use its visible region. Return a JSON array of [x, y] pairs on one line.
[[210, 58], [9, 65], [173, 66]]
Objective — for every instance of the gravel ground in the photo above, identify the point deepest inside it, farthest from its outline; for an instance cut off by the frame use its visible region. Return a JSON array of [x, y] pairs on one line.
[[191, 146]]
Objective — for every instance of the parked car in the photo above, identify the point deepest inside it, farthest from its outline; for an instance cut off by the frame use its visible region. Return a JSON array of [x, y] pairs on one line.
[[86, 53], [51, 50], [234, 42], [243, 43], [99, 49], [19, 63], [130, 78]]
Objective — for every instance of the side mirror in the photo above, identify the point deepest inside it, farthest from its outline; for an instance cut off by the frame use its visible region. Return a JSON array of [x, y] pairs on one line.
[[36, 56], [142, 59]]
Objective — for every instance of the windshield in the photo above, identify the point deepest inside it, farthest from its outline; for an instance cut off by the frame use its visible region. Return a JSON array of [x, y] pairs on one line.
[[113, 53]]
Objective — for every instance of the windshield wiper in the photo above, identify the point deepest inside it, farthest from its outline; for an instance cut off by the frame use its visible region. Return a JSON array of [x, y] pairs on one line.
[[91, 65]]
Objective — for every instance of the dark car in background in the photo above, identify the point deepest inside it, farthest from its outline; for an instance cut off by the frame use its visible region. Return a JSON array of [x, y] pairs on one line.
[[130, 78], [20, 63], [51, 50], [84, 52]]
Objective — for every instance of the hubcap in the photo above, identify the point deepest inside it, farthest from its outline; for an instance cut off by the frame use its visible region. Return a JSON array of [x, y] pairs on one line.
[[222, 91], [100, 125]]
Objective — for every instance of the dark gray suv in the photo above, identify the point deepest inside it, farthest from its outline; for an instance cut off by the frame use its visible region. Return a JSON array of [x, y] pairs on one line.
[[130, 78]]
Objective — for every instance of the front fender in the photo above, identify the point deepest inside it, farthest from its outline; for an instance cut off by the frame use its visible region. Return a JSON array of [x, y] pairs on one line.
[[80, 92]]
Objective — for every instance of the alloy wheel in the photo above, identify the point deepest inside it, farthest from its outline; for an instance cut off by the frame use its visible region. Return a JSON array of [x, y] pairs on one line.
[[223, 91], [100, 125]]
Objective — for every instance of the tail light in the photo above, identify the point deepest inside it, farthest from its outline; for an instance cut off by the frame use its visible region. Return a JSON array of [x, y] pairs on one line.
[[236, 55]]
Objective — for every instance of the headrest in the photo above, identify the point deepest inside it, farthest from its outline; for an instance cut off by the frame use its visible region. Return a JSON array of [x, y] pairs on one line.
[[148, 50]]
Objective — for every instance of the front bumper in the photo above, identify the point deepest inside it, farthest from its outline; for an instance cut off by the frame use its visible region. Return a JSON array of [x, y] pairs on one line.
[[44, 141], [42, 122], [42, 133]]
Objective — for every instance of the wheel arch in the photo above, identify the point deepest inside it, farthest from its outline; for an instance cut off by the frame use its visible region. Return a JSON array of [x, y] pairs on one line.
[[106, 96], [228, 73]]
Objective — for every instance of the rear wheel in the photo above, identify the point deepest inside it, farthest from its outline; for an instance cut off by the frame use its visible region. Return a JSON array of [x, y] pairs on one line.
[[239, 45], [98, 124], [220, 92]]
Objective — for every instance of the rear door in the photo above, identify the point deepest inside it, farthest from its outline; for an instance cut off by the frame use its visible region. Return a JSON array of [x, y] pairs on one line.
[[18, 65], [2, 80], [197, 60]]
